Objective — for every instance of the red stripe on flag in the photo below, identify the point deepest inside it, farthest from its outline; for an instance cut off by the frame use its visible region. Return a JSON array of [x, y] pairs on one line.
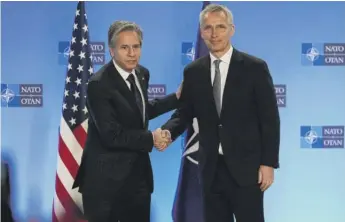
[[64, 197], [71, 209], [67, 158], [80, 135]]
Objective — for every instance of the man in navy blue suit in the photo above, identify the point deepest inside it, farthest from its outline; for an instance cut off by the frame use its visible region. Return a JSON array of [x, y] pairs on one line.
[[232, 95]]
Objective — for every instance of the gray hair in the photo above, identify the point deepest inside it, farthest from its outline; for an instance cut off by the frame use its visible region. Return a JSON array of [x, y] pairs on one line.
[[120, 26], [216, 8]]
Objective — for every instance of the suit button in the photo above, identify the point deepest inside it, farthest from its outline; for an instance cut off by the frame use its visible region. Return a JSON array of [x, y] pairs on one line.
[[220, 126]]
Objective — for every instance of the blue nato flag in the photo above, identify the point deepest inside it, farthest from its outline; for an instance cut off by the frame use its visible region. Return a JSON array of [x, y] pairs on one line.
[[188, 205]]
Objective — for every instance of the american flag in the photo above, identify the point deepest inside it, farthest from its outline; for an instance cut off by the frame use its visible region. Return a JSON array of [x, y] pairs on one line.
[[67, 204], [188, 206]]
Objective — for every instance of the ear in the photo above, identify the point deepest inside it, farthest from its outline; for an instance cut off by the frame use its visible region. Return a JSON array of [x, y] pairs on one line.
[[112, 52], [232, 30]]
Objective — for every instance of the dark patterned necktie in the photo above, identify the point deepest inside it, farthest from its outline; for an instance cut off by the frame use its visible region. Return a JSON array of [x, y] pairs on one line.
[[136, 93]]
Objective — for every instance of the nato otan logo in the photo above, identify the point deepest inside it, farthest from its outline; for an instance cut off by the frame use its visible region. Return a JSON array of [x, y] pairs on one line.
[[97, 50], [280, 90], [323, 54], [187, 53], [156, 91], [322, 136], [21, 95]]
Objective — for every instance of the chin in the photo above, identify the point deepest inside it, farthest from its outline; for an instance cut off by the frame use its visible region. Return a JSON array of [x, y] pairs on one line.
[[130, 67], [219, 48]]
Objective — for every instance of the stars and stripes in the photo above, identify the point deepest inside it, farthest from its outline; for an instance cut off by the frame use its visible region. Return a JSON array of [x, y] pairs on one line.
[[67, 204]]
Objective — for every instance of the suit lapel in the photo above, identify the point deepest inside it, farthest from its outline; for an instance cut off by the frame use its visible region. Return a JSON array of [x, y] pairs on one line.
[[142, 82], [122, 87], [206, 71], [233, 71]]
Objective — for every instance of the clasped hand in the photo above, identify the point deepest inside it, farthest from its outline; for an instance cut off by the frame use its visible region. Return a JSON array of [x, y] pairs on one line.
[[161, 139]]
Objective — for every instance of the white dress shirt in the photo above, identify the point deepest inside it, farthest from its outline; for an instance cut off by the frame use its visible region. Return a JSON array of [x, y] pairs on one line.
[[125, 75], [223, 68]]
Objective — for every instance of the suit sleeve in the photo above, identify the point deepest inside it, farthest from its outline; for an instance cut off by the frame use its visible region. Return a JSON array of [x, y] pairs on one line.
[[268, 114], [184, 115], [112, 134], [159, 106]]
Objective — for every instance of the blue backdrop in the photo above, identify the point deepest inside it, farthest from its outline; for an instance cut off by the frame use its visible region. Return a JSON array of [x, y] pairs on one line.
[[292, 38]]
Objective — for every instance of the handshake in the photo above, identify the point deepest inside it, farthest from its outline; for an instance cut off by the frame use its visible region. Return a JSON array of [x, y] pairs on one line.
[[161, 139]]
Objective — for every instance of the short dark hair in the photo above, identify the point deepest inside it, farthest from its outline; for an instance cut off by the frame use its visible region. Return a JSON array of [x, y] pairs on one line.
[[120, 26]]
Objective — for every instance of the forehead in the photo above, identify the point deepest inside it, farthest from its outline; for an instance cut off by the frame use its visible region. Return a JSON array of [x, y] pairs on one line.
[[128, 38], [215, 18]]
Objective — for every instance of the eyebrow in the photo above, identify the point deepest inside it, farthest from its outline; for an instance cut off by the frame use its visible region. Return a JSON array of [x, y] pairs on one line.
[[137, 44]]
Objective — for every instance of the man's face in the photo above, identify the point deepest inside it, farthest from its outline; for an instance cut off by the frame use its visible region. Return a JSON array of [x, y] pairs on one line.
[[216, 31], [127, 50]]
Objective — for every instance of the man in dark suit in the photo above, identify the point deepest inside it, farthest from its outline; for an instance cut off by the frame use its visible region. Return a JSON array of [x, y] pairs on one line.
[[232, 96], [115, 175]]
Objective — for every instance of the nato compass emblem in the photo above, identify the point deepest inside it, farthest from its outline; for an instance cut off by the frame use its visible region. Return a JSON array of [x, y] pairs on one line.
[[191, 53], [310, 137], [187, 53], [312, 54], [7, 95]]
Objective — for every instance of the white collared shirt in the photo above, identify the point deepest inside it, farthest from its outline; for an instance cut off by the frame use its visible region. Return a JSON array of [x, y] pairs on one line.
[[223, 68], [125, 75]]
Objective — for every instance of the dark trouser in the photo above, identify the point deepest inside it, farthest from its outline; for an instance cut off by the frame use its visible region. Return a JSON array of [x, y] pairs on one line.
[[226, 198], [131, 203]]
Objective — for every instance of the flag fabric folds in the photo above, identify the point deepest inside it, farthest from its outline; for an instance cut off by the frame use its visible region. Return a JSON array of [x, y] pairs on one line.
[[67, 204], [188, 199]]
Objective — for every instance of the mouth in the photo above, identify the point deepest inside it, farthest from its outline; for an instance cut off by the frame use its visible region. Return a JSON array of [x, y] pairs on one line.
[[215, 42]]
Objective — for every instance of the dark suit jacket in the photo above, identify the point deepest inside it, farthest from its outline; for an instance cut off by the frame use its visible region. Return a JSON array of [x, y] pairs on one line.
[[249, 125], [117, 135]]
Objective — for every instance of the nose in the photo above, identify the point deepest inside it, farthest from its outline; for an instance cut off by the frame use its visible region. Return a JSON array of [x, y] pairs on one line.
[[131, 51], [213, 32]]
